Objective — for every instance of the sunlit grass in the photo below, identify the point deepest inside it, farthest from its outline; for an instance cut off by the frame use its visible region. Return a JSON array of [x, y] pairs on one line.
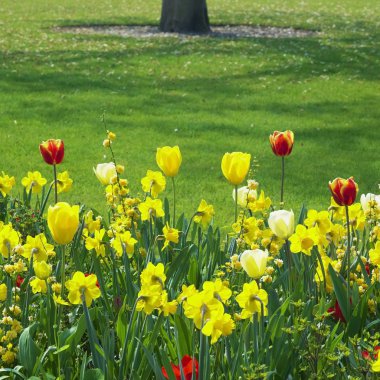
[[207, 95]]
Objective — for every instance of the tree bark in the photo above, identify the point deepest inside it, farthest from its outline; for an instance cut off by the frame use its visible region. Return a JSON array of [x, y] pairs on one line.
[[184, 16]]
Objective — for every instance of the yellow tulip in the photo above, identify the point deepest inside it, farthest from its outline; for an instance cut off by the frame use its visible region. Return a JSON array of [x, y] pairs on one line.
[[63, 222], [169, 160], [235, 166]]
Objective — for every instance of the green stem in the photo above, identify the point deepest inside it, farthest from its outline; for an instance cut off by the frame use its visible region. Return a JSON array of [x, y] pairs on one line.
[[289, 259], [173, 182], [55, 184], [236, 203], [348, 255], [282, 181]]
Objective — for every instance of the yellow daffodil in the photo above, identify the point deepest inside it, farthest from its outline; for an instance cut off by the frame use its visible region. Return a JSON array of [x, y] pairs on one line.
[[261, 204], [204, 213], [153, 183], [64, 182], [151, 207], [252, 300], [170, 234], [217, 325], [38, 247], [153, 275], [217, 289], [82, 288], [248, 228], [322, 275], [169, 160], [96, 243], [9, 238], [63, 222], [376, 365], [201, 306], [38, 285], [320, 219], [303, 240], [235, 166], [91, 224], [59, 300], [187, 291], [124, 241], [167, 307], [374, 254], [34, 181], [3, 292], [149, 298], [6, 184]]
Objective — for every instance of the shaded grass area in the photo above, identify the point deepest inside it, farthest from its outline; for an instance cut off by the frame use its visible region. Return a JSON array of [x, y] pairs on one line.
[[207, 95]]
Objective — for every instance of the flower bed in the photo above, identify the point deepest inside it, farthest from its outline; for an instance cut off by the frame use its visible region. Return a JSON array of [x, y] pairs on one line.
[[148, 293]]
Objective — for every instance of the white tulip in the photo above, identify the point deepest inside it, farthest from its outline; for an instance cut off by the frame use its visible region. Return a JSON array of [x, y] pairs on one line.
[[105, 173], [366, 198], [281, 223], [254, 262], [244, 195]]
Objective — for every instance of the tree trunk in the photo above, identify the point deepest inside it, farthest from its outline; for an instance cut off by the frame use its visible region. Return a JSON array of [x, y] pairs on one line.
[[184, 16]]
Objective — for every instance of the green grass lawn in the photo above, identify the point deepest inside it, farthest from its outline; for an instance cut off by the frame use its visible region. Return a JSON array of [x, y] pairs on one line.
[[207, 95]]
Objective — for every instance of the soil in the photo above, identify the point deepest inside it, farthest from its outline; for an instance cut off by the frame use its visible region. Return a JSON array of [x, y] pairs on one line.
[[225, 31]]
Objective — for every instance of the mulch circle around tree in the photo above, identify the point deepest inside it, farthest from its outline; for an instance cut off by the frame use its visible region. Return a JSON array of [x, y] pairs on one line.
[[225, 31]]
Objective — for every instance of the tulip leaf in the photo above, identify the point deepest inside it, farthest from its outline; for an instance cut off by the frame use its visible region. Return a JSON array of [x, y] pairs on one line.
[[28, 349], [340, 292]]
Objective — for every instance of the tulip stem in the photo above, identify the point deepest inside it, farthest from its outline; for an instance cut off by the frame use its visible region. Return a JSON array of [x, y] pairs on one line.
[[173, 182], [348, 258], [236, 203], [55, 184], [282, 181]]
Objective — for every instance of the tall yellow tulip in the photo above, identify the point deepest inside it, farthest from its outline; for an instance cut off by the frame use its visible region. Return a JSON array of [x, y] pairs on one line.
[[235, 166], [169, 160], [63, 222]]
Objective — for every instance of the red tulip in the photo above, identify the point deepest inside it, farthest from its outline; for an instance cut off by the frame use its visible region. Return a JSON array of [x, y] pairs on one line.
[[282, 142], [187, 365], [344, 191], [52, 151]]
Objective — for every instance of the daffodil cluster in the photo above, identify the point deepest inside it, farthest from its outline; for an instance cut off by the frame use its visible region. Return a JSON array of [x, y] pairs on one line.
[[152, 295], [207, 308]]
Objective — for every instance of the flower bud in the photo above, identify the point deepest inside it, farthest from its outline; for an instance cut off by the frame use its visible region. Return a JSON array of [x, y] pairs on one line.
[[344, 191], [281, 223], [105, 172], [169, 160], [52, 151], [245, 195], [235, 166], [369, 201], [63, 222], [254, 262], [282, 142]]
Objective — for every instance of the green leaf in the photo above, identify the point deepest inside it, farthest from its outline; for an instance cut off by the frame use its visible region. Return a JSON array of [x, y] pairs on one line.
[[93, 374], [340, 292], [28, 349]]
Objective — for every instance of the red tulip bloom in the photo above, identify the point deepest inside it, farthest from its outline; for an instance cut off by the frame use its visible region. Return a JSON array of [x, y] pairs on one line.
[[336, 312], [19, 281], [282, 142], [367, 356], [52, 151], [187, 364], [344, 191]]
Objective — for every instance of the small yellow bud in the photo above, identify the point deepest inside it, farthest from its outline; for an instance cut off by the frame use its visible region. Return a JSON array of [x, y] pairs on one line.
[[120, 169], [106, 143], [123, 182], [111, 136]]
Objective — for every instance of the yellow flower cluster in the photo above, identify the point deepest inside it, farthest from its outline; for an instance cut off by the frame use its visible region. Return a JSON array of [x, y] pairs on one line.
[[206, 308], [152, 295]]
